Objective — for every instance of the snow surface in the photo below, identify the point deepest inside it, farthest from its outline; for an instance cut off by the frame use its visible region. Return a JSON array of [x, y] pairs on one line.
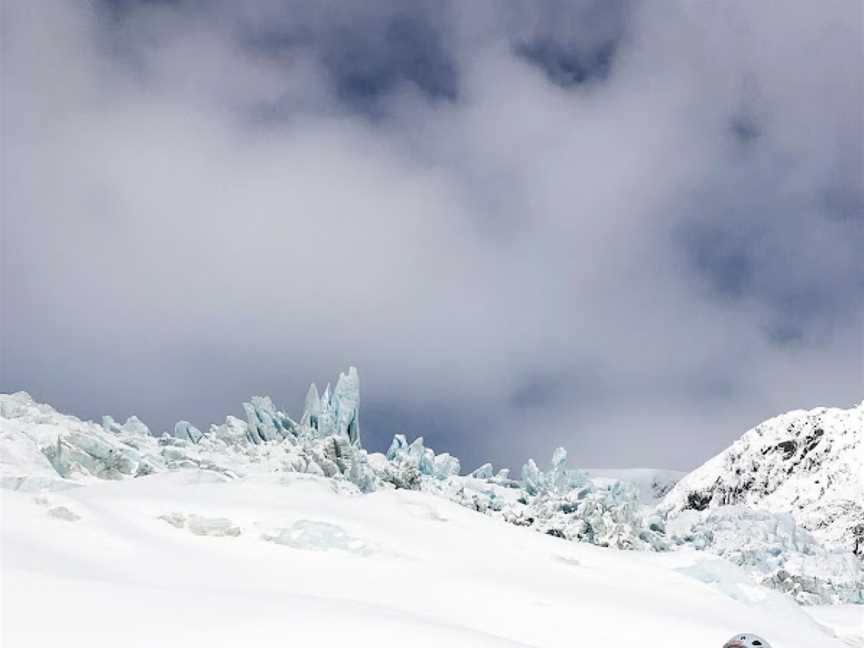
[[314, 560], [845, 621]]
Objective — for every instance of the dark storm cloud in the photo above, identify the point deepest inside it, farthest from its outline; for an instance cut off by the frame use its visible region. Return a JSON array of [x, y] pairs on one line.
[[634, 229], [365, 54], [572, 42]]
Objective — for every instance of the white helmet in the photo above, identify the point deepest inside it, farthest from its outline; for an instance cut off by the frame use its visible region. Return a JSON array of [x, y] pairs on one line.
[[746, 640]]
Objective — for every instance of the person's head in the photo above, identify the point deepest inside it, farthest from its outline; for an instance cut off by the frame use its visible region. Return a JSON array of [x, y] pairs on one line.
[[746, 640]]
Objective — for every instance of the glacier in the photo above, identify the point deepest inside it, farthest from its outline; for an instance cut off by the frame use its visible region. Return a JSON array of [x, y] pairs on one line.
[[779, 545]]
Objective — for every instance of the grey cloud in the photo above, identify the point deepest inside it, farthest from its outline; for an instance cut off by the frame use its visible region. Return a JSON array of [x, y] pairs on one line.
[[636, 242], [572, 42], [367, 55]]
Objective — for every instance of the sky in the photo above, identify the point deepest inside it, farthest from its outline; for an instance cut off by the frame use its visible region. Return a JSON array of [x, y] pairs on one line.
[[631, 228]]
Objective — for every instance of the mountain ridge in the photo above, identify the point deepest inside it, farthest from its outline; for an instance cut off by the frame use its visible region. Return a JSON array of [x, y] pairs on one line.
[[808, 463]]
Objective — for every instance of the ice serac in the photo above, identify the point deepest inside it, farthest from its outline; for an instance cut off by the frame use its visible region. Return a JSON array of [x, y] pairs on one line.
[[233, 432], [483, 472], [265, 422], [653, 483], [346, 405], [416, 454], [42, 448], [337, 411], [186, 431], [565, 503], [409, 464], [775, 550], [311, 408], [809, 464], [531, 477], [444, 465], [23, 467], [133, 425], [72, 450], [558, 479]]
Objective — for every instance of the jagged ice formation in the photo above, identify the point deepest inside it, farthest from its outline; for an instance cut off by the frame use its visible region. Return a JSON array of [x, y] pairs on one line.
[[800, 467]]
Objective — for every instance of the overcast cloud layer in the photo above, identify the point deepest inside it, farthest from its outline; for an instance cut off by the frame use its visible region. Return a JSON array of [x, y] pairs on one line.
[[630, 228]]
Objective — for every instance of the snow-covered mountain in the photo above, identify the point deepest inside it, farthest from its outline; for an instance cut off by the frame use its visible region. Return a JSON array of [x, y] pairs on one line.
[[246, 486], [809, 464]]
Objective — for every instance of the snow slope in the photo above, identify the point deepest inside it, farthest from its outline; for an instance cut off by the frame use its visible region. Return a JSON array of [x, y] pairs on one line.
[[809, 464], [196, 558], [845, 621]]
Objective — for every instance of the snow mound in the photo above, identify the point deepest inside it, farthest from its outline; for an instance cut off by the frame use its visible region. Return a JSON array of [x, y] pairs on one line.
[[202, 525], [63, 513], [314, 535]]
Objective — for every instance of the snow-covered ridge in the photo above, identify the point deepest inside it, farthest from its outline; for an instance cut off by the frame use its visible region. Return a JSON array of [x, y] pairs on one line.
[[809, 464], [44, 450]]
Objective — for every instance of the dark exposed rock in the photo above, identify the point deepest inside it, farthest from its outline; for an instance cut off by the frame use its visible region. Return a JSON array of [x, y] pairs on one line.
[[698, 501]]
